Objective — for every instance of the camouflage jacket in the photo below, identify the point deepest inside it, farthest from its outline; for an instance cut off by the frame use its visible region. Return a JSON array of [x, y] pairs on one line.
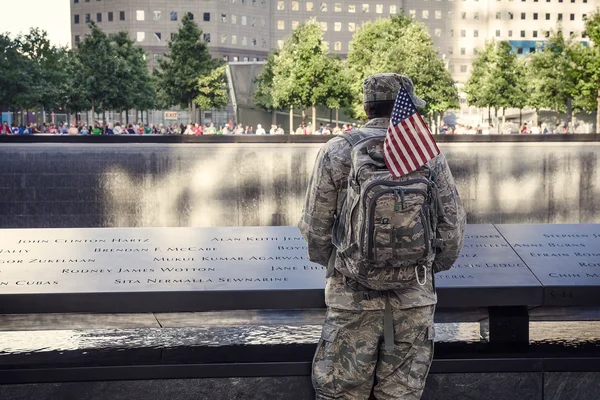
[[325, 194]]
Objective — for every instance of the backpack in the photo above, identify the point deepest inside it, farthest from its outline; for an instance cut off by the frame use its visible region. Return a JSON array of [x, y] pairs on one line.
[[385, 233]]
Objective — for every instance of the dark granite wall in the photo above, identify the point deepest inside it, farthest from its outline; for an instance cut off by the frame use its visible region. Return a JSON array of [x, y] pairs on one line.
[[233, 184]]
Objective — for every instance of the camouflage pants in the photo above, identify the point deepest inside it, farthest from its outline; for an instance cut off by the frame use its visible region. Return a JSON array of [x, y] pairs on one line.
[[351, 362]]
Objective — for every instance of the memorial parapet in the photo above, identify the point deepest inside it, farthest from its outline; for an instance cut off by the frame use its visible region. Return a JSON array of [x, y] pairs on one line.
[[565, 258], [201, 269], [488, 273]]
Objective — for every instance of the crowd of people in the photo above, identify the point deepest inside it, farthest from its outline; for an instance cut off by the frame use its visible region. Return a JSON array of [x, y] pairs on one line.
[[524, 129], [171, 129]]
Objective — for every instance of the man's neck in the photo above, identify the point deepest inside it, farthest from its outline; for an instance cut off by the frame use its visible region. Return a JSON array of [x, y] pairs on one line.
[[378, 123]]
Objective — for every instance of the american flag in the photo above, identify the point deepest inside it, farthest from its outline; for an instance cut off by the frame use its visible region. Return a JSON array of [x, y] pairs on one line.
[[409, 143]]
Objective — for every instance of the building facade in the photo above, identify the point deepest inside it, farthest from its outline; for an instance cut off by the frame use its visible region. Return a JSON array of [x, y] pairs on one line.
[[246, 30]]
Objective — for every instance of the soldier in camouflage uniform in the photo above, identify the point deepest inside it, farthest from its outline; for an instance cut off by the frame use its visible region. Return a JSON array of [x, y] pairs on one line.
[[351, 361]]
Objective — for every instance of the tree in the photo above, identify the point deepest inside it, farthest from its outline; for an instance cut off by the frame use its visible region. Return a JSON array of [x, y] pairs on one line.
[[187, 60], [589, 87], [263, 96], [97, 61], [135, 83], [212, 90], [14, 80], [479, 86], [337, 86], [554, 73], [301, 69], [401, 45]]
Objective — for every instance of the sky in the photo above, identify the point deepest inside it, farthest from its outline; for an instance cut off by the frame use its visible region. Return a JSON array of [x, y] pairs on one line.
[[53, 16]]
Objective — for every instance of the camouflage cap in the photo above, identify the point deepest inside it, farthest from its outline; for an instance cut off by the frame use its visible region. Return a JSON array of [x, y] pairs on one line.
[[381, 87]]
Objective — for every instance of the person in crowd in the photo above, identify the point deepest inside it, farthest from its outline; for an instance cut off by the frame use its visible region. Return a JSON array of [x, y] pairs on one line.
[[147, 129], [109, 129], [73, 130], [118, 130], [309, 129], [5, 129], [523, 130], [220, 130], [15, 129], [189, 130], [247, 130], [326, 130], [240, 129], [84, 130], [225, 130], [35, 129], [197, 129], [300, 130], [535, 129], [260, 130], [280, 130], [96, 130], [62, 129], [273, 130], [131, 130], [336, 130], [211, 130]]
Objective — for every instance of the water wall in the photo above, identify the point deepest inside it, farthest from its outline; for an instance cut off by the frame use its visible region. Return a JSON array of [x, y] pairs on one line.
[[246, 184]]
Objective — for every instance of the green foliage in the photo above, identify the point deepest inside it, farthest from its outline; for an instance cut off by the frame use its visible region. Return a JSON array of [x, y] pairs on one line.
[[187, 60], [400, 45], [479, 86], [303, 74], [212, 90], [554, 73], [263, 97], [14, 77]]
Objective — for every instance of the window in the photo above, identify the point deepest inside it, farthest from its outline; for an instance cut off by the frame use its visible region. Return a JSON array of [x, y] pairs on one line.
[[412, 13], [337, 7], [463, 68], [140, 36], [323, 26], [510, 15], [337, 46], [425, 14], [110, 16], [522, 34], [498, 15], [309, 6], [223, 38], [207, 37], [523, 15], [583, 17], [172, 36], [173, 15], [547, 34], [535, 34], [560, 16], [190, 15], [476, 16], [223, 17], [244, 20], [233, 39], [295, 24], [244, 41], [450, 50], [122, 15], [463, 33], [379, 8], [156, 57], [295, 6], [451, 32], [76, 18], [233, 19], [535, 16], [245, 58], [475, 52], [449, 14], [497, 33], [509, 33], [547, 16], [158, 36], [323, 7], [393, 9], [437, 32], [337, 26], [206, 17], [76, 2], [156, 15], [475, 33], [351, 8], [463, 15], [236, 58], [519, 50], [139, 15], [463, 51], [281, 25], [365, 8], [572, 17], [438, 14], [351, 26], [87, 18], [280, 5]]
